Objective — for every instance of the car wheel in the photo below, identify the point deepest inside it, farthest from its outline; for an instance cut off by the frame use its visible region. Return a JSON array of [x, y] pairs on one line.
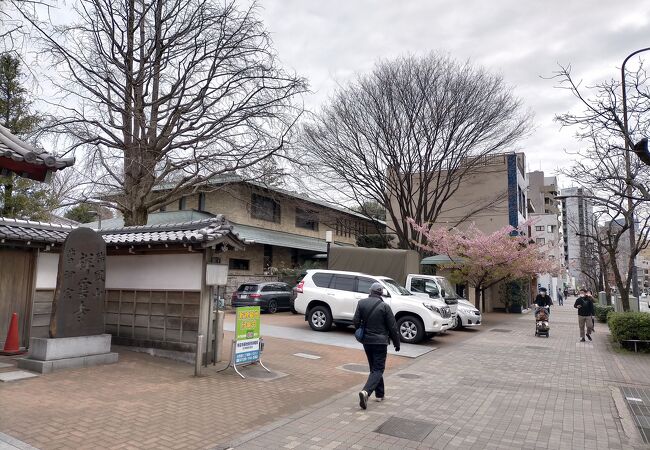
[[320, 318], [411, 329], [272, 308], [458, 323]]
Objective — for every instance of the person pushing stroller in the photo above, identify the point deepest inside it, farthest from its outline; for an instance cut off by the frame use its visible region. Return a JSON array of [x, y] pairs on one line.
[[543, 301], [542, 312]]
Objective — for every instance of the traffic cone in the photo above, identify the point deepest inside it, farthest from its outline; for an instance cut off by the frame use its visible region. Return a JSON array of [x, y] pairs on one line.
[[12, 346]]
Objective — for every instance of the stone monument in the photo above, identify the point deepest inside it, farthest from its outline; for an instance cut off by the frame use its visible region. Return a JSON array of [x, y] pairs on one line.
[[77, 337]]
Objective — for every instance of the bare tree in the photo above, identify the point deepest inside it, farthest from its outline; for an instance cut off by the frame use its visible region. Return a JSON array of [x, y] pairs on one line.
[[167, 93], [406, 134], [618, 184]]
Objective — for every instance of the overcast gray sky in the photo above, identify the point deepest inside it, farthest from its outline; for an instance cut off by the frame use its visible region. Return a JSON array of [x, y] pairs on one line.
[[330, 41]]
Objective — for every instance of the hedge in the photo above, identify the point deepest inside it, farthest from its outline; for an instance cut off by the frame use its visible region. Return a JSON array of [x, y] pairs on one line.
[[601, 312], [629, 325]]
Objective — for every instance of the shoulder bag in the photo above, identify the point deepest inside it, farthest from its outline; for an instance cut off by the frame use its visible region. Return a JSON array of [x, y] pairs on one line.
[[360, 332]]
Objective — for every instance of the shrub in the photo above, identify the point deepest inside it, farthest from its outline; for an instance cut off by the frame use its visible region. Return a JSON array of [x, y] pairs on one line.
[[601, 312], [629, 325]]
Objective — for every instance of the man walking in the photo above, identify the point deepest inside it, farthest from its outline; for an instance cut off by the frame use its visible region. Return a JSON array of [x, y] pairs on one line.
[[585, 310], [379, 325], [560, 298]]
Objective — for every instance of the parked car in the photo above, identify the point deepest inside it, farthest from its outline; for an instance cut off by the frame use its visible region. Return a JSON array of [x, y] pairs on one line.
[[270, 296], [468, 315], [434, 286], [329, 297]]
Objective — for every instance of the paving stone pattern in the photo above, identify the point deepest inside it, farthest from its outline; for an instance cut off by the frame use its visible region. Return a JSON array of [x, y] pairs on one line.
[[493, 391], [152, 403]]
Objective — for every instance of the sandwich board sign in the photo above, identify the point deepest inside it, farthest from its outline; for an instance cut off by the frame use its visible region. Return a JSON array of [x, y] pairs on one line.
[[247, 345], [247, 335]]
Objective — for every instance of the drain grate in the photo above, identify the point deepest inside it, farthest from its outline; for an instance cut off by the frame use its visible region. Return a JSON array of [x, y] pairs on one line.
[[637, 400], [537, 347], [413, 430], [500, 330], [409, 376]]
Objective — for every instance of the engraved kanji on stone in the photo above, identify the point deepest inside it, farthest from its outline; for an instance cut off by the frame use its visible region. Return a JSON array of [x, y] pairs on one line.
[[78, 307]]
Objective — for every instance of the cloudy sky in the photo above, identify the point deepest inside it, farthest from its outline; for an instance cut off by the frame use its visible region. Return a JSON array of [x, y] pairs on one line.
[[330, 41]]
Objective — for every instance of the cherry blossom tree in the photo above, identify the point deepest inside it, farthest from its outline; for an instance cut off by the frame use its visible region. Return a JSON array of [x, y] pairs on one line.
[[485, 259]]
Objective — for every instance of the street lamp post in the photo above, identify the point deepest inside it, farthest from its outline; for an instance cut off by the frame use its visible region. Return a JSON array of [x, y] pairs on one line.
[[628, 174]]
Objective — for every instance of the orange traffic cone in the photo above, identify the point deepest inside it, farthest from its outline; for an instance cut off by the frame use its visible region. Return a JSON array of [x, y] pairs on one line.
[[12, 343]]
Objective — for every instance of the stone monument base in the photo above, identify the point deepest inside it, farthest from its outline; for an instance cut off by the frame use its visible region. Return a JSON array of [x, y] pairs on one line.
[[48, 355]]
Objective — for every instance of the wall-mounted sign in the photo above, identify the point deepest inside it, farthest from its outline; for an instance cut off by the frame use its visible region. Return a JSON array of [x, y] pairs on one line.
[[216, 274]]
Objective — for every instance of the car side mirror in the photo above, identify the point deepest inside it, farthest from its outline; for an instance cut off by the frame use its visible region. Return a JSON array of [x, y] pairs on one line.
[[442, 292], [384, 293]]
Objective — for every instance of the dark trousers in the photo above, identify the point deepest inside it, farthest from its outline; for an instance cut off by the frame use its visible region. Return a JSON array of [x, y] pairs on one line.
[[376, 354]]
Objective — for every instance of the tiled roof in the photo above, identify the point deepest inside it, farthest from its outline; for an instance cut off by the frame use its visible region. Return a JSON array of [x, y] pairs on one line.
[[199, 231], [156, 218], [31, 231], [207, 231], [17, 150]]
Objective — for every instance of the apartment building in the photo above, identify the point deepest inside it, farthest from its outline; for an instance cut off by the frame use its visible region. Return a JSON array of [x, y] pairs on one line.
[[577, 224], [546, 229], [493, 195]]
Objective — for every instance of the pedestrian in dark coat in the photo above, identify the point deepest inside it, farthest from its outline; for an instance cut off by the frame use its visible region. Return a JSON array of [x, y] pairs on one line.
[[380, 327], [585, 307]]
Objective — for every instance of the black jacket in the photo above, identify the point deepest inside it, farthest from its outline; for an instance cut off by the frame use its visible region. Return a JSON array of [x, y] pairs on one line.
[[542, 301], [587, 306], [380, 325]]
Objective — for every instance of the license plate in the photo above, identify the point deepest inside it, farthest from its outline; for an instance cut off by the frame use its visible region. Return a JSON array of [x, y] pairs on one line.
[[243, 296]]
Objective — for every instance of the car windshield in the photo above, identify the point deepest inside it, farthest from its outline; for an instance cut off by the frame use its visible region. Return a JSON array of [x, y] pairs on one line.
[[395, 288], [450, 292]]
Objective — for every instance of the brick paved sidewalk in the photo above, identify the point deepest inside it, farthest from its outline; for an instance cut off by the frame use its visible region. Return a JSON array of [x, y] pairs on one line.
[[154, 403], [504, 388]]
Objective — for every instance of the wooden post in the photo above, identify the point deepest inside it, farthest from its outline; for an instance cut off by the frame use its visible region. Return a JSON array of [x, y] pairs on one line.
[[205, 303]]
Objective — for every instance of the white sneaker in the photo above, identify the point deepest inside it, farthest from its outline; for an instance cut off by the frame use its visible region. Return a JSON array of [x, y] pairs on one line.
[[379, 399], [363, 399]]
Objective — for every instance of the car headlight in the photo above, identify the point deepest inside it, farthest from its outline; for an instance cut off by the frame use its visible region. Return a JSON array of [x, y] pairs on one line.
[[430, 307]]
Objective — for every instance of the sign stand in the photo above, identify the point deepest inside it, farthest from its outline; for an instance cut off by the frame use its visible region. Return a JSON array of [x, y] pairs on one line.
[[248, 345], [233, 363]]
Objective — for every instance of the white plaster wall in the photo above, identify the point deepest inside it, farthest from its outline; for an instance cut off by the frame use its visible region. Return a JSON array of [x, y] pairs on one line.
[[47, 268], [172, 272]]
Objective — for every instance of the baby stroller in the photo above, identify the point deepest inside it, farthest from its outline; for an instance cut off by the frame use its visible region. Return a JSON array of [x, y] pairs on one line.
[[541, 321]]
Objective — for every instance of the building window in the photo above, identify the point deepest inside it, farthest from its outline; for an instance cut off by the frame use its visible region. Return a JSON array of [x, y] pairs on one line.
[[305, 219], [265, 208], [239, 264], [550, 228], [201, 201], [182, 203], [540, 241], [539, 228]]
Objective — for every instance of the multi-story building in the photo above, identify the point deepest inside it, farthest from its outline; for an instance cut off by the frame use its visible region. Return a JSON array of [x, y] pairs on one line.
[[546, 227], [282, 229], [493, 195], [577, 226]]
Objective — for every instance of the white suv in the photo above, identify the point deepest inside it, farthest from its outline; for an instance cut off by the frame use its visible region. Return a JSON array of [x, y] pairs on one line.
[[331, 296]]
